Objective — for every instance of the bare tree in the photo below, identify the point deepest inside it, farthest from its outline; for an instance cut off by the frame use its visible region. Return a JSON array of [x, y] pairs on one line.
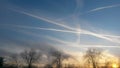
[[16, 60], [30, 57], [92, 56], [58, 58]]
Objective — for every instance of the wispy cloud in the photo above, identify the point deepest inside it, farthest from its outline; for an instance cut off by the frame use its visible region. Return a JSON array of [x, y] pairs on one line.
[[105, 7], [79, 4], [61, 41]]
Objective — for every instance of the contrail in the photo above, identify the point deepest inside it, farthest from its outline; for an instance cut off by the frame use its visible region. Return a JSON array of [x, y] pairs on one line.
[[111, 36], [75, 11], [78, 36], [96, 35], [49, 29], [72, 44], [60, 41], [46, 20], [78, 6], [73, 30], [100, 8], [99, 36], [105, 7]]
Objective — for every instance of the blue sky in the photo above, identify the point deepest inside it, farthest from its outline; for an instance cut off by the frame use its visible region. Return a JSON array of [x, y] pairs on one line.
[[71, 25]]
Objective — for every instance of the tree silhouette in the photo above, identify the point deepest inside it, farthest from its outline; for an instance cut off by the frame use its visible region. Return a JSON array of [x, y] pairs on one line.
[[16, 60], [1, 62], [30, 57], [92, 56], [58, 58]]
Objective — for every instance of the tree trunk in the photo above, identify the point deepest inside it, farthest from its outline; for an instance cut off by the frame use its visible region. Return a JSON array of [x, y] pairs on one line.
[[93, 63], [29, 66]]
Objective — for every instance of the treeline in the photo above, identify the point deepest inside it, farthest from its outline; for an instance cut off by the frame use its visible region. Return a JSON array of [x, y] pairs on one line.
[[32, 58], [54, 59]]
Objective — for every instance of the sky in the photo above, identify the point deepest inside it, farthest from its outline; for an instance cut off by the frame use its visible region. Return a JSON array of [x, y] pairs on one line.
[[68, 25]]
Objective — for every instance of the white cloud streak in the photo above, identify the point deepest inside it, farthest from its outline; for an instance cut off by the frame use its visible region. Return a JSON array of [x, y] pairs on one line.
[[98, 35], [39, 28], [74, 32], [46, 20], [112, 36], [105, 7], [70, 29], [72, 44]]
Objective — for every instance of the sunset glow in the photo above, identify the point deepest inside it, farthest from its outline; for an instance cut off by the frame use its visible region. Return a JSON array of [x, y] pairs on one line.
[[60, 33], [114, 65]]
